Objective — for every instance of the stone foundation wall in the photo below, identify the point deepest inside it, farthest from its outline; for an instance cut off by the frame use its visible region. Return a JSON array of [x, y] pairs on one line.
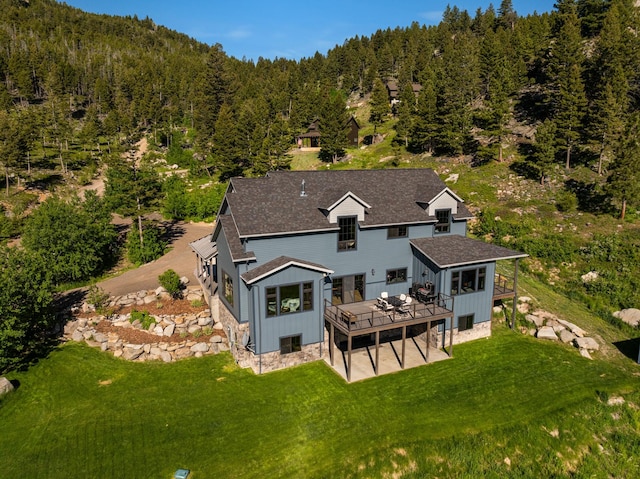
[[266, 362], [479, 330]]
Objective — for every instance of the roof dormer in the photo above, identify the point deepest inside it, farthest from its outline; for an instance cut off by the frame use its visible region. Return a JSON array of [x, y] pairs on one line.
[[445, 200], [347, 205]]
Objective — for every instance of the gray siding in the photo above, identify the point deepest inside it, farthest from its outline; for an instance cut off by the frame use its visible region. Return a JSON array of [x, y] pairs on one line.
[[226, 264], [479, 303], [267, 331]]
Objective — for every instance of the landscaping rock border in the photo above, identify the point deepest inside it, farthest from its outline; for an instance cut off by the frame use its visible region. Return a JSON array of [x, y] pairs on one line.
[[168, 338]]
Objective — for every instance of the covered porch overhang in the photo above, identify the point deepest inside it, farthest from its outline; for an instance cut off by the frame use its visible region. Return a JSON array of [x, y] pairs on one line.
[[357, 320], [206, 253]]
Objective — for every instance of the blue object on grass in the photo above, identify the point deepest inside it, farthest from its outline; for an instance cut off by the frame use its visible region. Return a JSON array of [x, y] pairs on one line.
[[181, 474]]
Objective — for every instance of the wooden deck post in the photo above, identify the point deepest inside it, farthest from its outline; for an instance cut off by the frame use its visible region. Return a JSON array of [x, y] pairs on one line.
[[332, 336], [349, 358], [450, 338], [377, 352], [404, 340], [428, 338], [515, 295]]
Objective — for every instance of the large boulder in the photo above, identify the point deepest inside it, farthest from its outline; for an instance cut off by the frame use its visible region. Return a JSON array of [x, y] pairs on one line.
[[5, 386], [547, 332], [586, 343], [631, 316]]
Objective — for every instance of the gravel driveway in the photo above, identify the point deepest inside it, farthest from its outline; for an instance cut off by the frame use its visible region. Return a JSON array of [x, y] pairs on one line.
[[181, 259]]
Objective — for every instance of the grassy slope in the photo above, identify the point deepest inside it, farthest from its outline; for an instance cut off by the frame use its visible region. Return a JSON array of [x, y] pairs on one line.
[[221, 421]]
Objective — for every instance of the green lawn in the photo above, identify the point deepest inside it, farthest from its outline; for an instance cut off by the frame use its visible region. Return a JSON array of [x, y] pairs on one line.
[[82, 413]]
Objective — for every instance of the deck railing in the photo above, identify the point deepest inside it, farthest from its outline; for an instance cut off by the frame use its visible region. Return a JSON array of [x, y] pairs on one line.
[[502, 285], [439, 306]]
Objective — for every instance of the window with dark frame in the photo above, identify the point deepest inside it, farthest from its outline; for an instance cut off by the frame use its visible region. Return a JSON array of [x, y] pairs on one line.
[[227, 284], [468, 281], [347, 234], [443, 221], [397, 232], [465, 322], [289, 298], [291, 344], [396, 275]]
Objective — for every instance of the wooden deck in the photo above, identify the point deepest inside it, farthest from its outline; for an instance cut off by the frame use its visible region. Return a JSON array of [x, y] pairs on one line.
[[503, 288], [365, 318]]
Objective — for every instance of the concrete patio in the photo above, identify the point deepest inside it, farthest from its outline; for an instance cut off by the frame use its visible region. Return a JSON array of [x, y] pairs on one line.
[[363, 359]]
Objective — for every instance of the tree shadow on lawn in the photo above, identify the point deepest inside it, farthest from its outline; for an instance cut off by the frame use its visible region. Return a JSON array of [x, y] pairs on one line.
[[630, 348]]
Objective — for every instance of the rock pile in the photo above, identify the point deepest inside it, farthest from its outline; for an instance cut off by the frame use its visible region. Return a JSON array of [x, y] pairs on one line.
[[548, 326]]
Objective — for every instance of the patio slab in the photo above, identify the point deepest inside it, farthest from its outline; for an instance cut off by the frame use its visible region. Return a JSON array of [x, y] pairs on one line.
[[363, 359]]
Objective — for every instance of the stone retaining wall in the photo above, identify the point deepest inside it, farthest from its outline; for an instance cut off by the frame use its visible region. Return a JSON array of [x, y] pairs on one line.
[[160, 341]]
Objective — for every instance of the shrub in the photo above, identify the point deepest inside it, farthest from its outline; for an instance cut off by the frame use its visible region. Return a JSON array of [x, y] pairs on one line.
[[152, 248], [566, 201], [98, 297], [143, 317], [170, 281]]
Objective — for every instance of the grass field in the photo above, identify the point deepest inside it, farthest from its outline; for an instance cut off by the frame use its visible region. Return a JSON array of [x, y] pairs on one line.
[[507, 399]]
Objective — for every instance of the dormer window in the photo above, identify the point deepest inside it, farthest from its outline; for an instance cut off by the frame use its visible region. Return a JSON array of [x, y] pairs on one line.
[[347, 234], [443, 221]]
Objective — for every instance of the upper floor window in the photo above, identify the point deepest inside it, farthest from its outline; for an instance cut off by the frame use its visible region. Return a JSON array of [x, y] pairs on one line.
[[468, 281], [397, 232], [443, 221], [347, 234]]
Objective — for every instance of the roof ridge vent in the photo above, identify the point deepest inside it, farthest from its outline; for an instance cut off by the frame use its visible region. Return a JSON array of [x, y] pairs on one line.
[[303, 192]]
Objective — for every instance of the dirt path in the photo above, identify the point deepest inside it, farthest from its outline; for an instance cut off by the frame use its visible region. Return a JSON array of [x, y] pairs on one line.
[[181, 259], [97, 184]]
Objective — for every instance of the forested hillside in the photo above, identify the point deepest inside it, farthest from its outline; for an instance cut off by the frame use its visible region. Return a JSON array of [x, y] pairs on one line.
[[552, 97]]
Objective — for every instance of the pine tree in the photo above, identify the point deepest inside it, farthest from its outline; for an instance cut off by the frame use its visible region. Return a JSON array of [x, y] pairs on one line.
[[406, 112], [425, 124], [213, 91], [380, 108], [624, 178], [569, 99], [227, 147], [544, 149], [333, 123]]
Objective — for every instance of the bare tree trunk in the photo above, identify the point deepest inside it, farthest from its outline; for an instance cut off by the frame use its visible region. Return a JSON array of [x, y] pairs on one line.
[[6, 175], [568, 162], [624, 209]]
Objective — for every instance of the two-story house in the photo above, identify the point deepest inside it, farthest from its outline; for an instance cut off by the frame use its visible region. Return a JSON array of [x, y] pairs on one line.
[[301, 262]]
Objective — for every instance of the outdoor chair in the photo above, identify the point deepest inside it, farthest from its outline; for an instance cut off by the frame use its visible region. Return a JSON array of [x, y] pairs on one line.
[[405, 307]]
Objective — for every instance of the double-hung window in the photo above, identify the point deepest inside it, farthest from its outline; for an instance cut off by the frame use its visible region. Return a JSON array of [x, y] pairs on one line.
[[347, 235], [443, 221]]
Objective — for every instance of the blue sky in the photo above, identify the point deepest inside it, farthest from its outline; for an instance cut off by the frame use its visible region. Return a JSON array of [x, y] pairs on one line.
[[288, 29]]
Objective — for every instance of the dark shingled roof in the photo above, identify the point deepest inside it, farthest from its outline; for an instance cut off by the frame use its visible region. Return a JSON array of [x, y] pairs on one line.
[[273, 204], [235, 245], [278, 264], [454, 250]]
